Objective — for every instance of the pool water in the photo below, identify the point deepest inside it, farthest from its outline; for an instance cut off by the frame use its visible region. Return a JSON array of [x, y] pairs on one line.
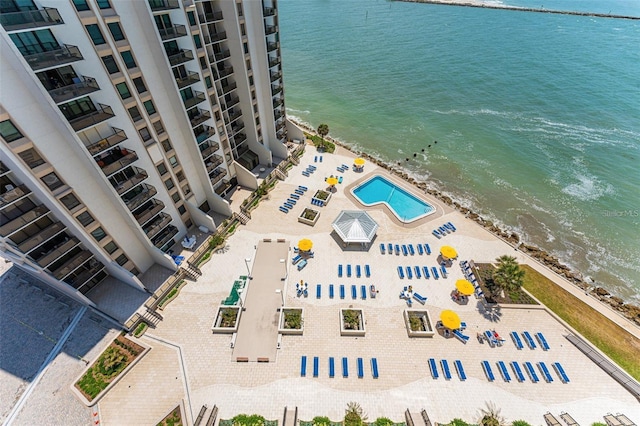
[[378, 190]]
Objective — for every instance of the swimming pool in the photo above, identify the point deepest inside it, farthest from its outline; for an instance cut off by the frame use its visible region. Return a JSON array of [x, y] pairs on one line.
[[378, 190]]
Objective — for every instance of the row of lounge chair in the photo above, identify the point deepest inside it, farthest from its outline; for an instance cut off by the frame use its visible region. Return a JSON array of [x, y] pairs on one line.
[[617, 420], [364, 290], [309, 170], [443, 230], [407, 249], [446, 370], [529, 340], [332, 367], [470, 276], [424, 271], [610, 419], [358, 271], [342, 168], [294, 197], [519, 374], [317, 158]]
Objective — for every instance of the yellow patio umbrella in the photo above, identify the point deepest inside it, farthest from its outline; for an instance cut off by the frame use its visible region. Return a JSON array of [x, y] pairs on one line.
[[465, 287], [450, 319], [448, 252], [332, 181], [305, 244], [359, 161]]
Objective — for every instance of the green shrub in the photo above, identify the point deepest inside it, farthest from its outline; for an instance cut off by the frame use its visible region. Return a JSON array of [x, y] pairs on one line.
[[245, 420], [321, 421], [383, 421], [140, 329], [520, 423]]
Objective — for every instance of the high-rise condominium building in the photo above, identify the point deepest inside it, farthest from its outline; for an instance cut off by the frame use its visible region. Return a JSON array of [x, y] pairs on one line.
[[124, 123]]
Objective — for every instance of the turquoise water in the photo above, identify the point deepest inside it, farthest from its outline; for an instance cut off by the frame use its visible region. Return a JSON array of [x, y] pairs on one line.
[[405, 206], [536, 116]]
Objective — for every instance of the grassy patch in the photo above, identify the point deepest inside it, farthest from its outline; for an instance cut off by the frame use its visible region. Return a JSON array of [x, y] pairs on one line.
[[174, 418], [140, 329], [611, 339], [169, 297], [329, 147]]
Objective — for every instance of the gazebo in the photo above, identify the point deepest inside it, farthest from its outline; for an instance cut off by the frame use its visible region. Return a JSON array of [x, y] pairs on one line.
[[355, 226]]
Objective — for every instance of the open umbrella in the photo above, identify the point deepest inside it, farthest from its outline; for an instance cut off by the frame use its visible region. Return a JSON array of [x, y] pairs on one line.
[[448, 252], [465, 287], [332, 181], [305, 244], [450, 319], [359, 162]]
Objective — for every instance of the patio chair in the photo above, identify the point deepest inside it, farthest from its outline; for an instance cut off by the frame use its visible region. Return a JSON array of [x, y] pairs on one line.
[[400, 272], [409, 273], [425, 271], [420, 298], [315, 159], [330, 291], [445, 369], [560, 371], [363, 292], [304, 188], [367, 271], [332, 367], [404, 250], [542, 341], [374, 368], [434, 271], [433, 367], [529, 340], [569, 420], [444, 271], [390, 248], [411, 250], [460, 370], [450, 226], [417, 269], [397, 247], [360, 368], [354, 292], [434, 232], [503, 370], [545, 372], [348, 270], [420, 249], [358, 271], [516, 340], [464, 339], [303, 366], [532, 372], [487, 370], [318, 291], [340, 271], [284, 209], [302, 264], [382, 250], [517, 371], [294, 196], [345, 367], [341, 291], [316, 366], [551, 420]]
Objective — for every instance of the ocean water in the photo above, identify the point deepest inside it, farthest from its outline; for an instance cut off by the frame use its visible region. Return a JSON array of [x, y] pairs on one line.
[[536, 116]]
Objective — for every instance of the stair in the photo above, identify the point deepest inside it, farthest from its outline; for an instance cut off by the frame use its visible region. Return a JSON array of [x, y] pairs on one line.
[[243, 217]]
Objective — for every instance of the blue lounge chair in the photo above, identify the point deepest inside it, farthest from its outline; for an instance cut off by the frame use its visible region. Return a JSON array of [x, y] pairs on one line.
[[425, 271], [312, 167], [427, 248], [299, 192], [360, 368], [358, 271], [302, 264], [367, 271], [453, 228], [294, 196], [411, 250], [284, 209], [330, 291], [445, 369], [434, 232], [444, 271], [304, 188], [460, 370], [341, 291], [487, 370], [563, 376], [390, 248], [517, 370], [345, 367], [318, 291], [503, 370], [545, 372], [397, 247], [320, 158], [303, 366], [443, 230], [400, 272], [464, 339], [463, 325], [354, 292], [374, 368], [543, 341], [420, 249], [332, 367], [532, 372], [382, 250], [316, 366], [420, 298], [529, 340], [363, 292], [348, 270], [516, 340], [288, 205], [409, 273], [433, 367], [491, 340], [434, 270], [404, 250], [315, 159], [340, 179], [340, 271], [417, 269], [340, 169]]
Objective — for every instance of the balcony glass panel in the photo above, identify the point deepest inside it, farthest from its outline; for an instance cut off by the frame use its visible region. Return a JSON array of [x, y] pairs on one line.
[[115, 160], [30, 19], [157, 5], [138, 196], [53, 58], [173, 32], [157, 225], [117, 136], [40, 237], [187, 80], [180, 57], [195, 99], [23, 220], [10, 193], [91, 118], [82, 86], [165, 236], [217, 175], [148, 211], [127, 179], [211, 16]]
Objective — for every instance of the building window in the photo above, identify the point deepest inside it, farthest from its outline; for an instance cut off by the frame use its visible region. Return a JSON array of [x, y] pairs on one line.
[[239, 5], [32, 158], [9, 132], [122, 259], [208, 82], [192, 18], [85, 218], [243, 30], [111, 247], [95, 34], [116, 31], [70, 201], [248, 64], [169, 183], [98, 234], [173, 161], [166, 145], [203, 63], [186, 190], [158, 127], [151, 109], [162, 169], [134, 271], [251, 80], [123, 89], [257, 121], [246, 47], [144, 134], [180, 176], [188, 223], [104, 4], [110, 64], [197, 41], [81, 5], [127, 57], [139, 83], [52, 181], [134, 112], [175, 197], [182, 210]]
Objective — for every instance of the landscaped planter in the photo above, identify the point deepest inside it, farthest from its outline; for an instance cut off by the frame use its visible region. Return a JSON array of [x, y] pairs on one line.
[[291, 321], [352, 322], [418, 323], [309, 216], [227, 319], [322, 197]]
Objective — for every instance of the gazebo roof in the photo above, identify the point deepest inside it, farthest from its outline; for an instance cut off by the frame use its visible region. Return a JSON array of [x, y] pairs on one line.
[[355, 226]]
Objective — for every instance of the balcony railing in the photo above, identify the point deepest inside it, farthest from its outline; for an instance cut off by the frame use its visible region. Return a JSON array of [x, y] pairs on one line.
[[269, 29], [147, 214], [211, 17], [13, 194], [57, 252], [280, 133], [53, 58], [269, 11], [231, 102], [23, 220], [141, 196], [218, 74], [157, 5], [273, 62], [219, 56], [180, 57], [165, 236], [158, 224], [42, 236], [204, 133], [203, 115], [102, 113], [85, 275], [215, 37], [194, 100], [125, 185], [173, 32], [210, 149], [217, 175], [72, 264], [271, 46], [239, 139], [110, 141], [189, 79], [213, 162], [278, 102], [226, 88], [234, 115], [223, 187], [277, 114], [83, 86], [275, 76], [276, 89], [116, 161], [23, 20]]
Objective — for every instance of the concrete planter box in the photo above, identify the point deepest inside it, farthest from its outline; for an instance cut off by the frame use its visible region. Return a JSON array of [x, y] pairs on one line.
[[322, 197], [425, 321], [290, 331], [306, 221], [360, 328], [219, 327]]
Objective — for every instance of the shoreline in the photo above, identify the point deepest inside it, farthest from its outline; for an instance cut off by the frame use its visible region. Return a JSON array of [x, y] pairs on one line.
[[626, 310]]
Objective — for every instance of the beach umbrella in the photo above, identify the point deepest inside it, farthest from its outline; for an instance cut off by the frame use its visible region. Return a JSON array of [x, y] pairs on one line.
[[465, 287], [305, 244], [448, 252], [450, 319], [332, 181], [359, 162]]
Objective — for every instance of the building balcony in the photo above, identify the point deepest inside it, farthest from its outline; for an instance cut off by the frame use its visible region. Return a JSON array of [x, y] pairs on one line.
[[275, 76], [237, 127], [173, 32], [270, 29], [274, 62], [80, 279], [164, 236], [219, 74], [13, 194], [215, 37], [239, 139], [84, 86], [91, 118], [23, 220], [148, 211], [110, 141], [127, 179], [158, 224], [231, 103], [211, 17], [280, 134], [280, 125], [226, 88], [188, 80], [277, 114], [217, 175], [207, 149], [57, 252], [219, 56], [234, 115], [203, 115], [159, 5], [276, 89], [72, 264], [180, 57], [27, 19], [272, 46], [278, 102], [45, 235], [222, 187], [203, 133], [54, 58], [213, 162], [138, 196], [269, 11], [194, 100], [116, 160]]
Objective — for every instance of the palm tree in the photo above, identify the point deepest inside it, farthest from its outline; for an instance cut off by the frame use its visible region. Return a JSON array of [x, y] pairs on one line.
[[323, 130], [491, 416], [354, 415], [508, 276]]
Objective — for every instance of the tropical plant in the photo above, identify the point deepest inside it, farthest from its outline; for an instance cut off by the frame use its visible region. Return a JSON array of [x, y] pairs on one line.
[[383, 421], [351, 319], [508, 275], [321, 421], [490, 416], [520, 423], [323, 130], [228, 317], [113, 361], [415, 322], [293, 319], [598, 424], [354, 415], [458, 422], [245, 420]]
